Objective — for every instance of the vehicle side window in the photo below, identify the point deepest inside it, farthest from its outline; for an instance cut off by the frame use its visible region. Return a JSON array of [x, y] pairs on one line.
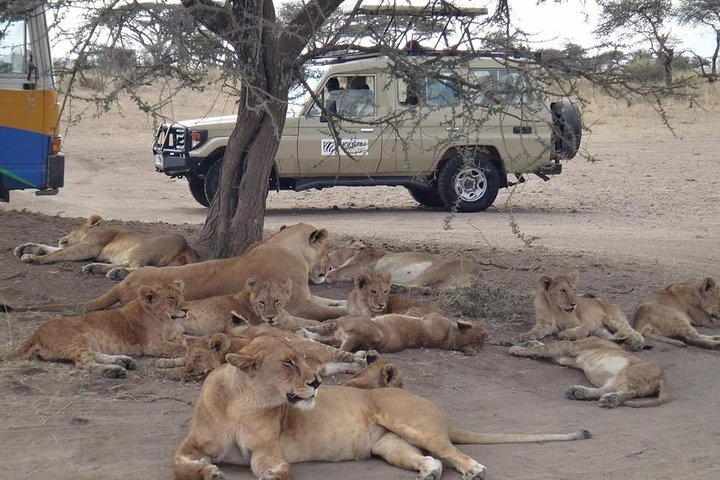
[[13, 46], [433, 92], [348, 96], [493, 86]]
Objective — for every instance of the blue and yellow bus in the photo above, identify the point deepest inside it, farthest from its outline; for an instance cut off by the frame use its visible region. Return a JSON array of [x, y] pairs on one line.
[[30, 156]]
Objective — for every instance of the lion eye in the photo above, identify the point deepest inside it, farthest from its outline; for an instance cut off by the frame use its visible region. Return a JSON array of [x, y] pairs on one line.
[[261, 303], [289, 363], [277, 301], [563, 291], [374, 292], [386, 292]]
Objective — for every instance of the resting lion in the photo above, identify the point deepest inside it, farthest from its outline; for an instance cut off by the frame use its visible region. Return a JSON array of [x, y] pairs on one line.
[[102, 341], [118, 249], [288, 254], [422, 272], [394, 333], [204, 354], [371, 297], [618, 375], [671, 313], [558, 310], [266, 409], [379, 374]]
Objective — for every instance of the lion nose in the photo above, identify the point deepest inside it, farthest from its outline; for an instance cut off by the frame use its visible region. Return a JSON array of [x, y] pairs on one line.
[[315, 383]]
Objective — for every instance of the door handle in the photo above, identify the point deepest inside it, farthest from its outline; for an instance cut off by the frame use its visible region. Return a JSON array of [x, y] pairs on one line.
[[452, 129], [367, 129]]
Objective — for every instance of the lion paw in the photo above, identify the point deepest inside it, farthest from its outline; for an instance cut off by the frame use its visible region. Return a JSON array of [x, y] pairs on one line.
[[609, 400], [475, 473], [431, 469], [532, 343], [114, 371], [24, 249], [29, 258], [211, 472], [118, 274], [92, 268], [371, 356], [576, 392], [126, 362]]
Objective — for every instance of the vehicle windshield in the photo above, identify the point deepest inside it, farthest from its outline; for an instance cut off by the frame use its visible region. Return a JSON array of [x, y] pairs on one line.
[[298, 96]]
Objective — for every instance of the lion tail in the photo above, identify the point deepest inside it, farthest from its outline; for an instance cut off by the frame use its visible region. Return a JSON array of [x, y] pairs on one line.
[[23, 351], [663, 397], [467, 437], [105, 300]]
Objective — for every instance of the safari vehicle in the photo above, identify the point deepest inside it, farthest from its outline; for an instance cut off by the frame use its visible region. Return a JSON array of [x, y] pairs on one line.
[[433, 146], [29, 114]]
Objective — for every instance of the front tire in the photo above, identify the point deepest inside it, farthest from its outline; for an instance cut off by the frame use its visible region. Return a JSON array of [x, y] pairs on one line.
[[469, 181], [197, 189], [427, 197], [212, 180]]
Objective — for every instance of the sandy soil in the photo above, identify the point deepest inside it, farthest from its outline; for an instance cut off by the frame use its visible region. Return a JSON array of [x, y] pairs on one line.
[[645, 215]]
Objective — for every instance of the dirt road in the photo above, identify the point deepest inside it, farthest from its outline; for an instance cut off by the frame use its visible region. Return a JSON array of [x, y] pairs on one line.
[[647, 214]]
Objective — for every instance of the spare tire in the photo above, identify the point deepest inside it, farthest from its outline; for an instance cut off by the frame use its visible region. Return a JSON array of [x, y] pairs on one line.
[[567, 128]]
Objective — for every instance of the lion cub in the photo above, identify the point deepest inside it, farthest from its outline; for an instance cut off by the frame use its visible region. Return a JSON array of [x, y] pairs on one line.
[[101, 341], [394, 333], [206, 353], [671, 313], [258, 303], [371, 297], [618, 375], [379, 374], [559, 311]]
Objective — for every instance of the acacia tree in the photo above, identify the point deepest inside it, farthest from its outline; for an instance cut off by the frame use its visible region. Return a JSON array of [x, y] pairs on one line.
[[646, 18], [707, 13]]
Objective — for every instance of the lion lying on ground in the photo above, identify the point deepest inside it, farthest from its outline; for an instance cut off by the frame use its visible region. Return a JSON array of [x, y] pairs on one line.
[[618, 375], [258, 303], [394, 333], [204, 354], [669, 315], [119, 249], [289, 254], [263, 409], [102, 341], [379, 374], [371, 297], [421, 272], [558, 310]]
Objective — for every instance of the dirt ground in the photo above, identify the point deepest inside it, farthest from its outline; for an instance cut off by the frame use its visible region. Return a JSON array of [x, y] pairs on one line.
[[646, 214]]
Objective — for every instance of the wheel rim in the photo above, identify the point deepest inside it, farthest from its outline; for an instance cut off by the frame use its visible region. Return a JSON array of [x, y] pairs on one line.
[[470, 184]]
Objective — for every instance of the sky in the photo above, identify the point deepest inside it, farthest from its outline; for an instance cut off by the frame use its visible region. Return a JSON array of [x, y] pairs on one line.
[[553, 24]]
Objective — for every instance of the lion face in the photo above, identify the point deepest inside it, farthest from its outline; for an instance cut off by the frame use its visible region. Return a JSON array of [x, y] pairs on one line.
[[374, 290], [268, 299], [278, 374], [79, 233], [464, 336], [165, 301], [204, 354], [318, 273], [710, 297], [560, 290]]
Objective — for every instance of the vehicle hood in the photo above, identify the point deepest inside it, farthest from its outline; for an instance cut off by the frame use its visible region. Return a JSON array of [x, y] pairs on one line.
[[215, 121]]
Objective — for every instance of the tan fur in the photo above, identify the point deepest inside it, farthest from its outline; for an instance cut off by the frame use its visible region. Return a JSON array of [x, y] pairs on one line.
[[263, 409], [618, 375], [379, 374], [671, 313], [208, 352], [393, 333], [288, 254], [421, 271], [371, 297], [558, 310], [102, 341], [119, 250], [318, 272]]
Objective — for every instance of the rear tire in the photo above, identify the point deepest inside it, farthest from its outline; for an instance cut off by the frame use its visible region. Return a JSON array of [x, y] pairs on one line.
[[197, 189], [212, 180], [427, 197], [471, 183]]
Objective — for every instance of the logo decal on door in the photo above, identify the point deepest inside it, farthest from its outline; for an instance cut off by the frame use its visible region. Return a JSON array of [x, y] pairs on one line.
[[357, 147]]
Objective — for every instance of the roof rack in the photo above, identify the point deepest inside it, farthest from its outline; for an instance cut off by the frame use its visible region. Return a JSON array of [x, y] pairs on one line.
[[334, 58], [441, 8]]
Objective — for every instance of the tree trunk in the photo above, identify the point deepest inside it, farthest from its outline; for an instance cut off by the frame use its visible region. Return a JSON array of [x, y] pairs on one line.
[[715, 57], [667, 59]]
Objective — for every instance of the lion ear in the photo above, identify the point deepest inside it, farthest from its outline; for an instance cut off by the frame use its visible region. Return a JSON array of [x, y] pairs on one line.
[[282, 227], [246, 363], [319, 236], [250, 282], [238, 319], [287, 287], [387, 277], [391, 375], [708, 284], [147, 294], [546, 282], [463, 326], [219, 342], [94, 220], [179, 284], [361, 280]]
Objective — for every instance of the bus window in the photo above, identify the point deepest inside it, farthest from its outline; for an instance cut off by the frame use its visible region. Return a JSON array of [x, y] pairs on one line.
[[13, 47]]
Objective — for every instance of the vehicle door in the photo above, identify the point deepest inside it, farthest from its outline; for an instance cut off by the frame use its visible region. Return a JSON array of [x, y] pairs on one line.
[[359, 151]]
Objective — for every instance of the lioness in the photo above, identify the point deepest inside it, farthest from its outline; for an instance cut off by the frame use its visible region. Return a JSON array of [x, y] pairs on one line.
[[119, 249], [379, 374], [203, 354], [671, 313], [286, 255], [102, 341], [416, 271], [393, 333], [371, 297], [263, 409], [619, 375], [558, 310]]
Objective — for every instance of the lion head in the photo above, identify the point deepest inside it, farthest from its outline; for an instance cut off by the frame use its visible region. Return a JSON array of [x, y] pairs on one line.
[[268, 299], [318, 272], [79, 233], [379, 374], [372, 292], [458, 335], [709, 292], [560, 290], [204, 354], [165, 301], [277, 373]]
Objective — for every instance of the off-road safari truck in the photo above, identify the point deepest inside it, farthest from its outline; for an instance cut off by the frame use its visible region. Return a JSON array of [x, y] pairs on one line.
[[448, 151]]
